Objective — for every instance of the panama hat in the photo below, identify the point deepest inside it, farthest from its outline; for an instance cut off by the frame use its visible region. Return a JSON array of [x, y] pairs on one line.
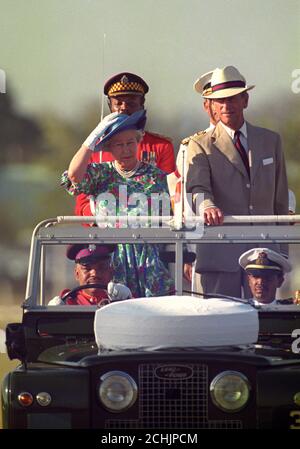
[[202, 84], [259, 260], [226, 82]]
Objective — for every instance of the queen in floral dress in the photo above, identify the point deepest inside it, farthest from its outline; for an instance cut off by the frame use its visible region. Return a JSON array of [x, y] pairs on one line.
[[125, 187]]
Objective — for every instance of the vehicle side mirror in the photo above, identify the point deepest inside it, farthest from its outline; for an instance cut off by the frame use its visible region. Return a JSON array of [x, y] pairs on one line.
[[15, 341]]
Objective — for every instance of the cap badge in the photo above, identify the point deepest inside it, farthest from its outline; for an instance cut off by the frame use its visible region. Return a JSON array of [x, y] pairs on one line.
[[262, 259], [124, 79], [92, 247]]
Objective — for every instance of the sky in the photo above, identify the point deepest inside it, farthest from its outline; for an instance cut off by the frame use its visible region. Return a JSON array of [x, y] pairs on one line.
[[56, 59], [55, 55]]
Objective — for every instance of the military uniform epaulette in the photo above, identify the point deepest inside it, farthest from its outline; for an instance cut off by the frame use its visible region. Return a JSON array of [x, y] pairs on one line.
[[159, 136], [187, 139]]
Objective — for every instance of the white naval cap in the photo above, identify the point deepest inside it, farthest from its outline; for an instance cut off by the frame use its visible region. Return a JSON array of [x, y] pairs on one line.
[[257, 259]]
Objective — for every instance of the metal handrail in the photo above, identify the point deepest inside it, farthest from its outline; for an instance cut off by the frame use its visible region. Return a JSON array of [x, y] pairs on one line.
[[228, 219], [50, 232]]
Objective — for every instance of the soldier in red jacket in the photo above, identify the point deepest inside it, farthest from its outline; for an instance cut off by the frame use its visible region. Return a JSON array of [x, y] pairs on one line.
[[126, 94]]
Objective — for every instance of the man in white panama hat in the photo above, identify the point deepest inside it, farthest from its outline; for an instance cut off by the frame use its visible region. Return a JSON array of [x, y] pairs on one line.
[[240, 170]]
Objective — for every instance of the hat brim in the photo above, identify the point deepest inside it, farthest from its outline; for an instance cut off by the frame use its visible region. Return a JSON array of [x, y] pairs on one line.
[[118, 94], [263, 271], [198, 86], [201, 82], [136, 121], [225, 93]]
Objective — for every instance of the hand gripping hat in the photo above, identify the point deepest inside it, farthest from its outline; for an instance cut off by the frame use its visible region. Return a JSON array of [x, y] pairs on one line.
[[261, 260], [125, 83], [202, 85], [119, 123], [226, 82], [85, 253]]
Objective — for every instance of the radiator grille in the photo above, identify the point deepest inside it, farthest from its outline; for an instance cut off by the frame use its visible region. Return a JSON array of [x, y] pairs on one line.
[[173, 403]]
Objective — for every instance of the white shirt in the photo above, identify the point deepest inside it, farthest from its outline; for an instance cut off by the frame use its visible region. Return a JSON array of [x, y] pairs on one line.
[[243, 135], [211, 126]]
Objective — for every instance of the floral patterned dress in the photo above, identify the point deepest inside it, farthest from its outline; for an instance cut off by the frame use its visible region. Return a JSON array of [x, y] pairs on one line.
[[136, 265]]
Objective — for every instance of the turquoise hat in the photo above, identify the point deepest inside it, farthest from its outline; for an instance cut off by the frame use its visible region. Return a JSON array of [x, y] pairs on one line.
[[121, 122]]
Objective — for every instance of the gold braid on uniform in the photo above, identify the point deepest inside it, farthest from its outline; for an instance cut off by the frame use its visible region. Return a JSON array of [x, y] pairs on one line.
[[187, 139]]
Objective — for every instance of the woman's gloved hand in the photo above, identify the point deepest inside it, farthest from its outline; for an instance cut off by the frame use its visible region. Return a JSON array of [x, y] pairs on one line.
[[92, 139]]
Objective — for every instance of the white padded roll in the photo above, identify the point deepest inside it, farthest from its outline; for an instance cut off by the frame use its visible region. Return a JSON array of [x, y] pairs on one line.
[[174, 322]]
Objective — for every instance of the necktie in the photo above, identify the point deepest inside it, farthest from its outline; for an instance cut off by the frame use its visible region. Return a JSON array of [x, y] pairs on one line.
[[242, 152]]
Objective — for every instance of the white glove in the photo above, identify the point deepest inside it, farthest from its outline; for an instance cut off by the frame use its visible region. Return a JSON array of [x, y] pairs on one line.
[[118, 292], [92, 139], [56, 301]]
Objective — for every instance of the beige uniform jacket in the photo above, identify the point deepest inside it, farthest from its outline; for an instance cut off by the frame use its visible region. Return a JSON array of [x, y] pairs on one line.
[[216, 170]]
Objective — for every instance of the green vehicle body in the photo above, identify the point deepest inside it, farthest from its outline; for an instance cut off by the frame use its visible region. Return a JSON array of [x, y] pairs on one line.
[[58, 356]]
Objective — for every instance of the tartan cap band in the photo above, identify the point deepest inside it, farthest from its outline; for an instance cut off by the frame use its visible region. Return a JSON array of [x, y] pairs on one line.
[[126, 89]]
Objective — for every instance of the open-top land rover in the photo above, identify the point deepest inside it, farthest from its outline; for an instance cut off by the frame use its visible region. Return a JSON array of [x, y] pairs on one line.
[[176, 362]]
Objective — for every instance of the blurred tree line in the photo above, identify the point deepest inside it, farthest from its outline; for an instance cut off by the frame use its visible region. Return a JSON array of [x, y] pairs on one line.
[[35, 151]]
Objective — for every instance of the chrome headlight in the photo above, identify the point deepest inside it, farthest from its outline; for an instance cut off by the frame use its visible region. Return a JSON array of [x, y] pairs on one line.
[[230, 391], [117, 391]]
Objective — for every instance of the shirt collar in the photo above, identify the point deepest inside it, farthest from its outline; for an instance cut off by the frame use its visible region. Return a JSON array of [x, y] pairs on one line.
[[93, 299], [243, 130], [210, 127]]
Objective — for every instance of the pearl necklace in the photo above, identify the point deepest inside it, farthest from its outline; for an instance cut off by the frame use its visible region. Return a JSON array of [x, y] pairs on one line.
[[127, 173]]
